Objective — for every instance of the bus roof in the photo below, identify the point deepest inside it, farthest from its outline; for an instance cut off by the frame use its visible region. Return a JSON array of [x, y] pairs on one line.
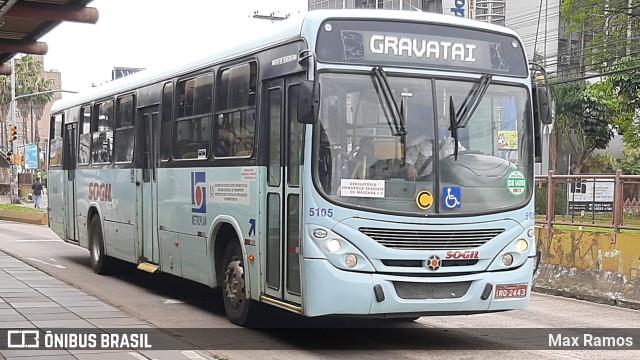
[[306, 26]]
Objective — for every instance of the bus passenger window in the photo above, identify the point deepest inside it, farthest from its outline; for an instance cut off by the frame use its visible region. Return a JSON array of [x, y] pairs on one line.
[[102, 136], [125, 131], [235, 112], [84, 148], [192, 127]]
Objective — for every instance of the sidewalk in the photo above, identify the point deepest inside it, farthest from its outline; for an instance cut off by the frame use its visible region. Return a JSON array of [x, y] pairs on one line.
[[32, 299], [6, 199]]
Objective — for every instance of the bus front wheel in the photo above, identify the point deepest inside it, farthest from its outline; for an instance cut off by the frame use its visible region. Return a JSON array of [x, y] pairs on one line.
[[100, 263], [236, 304]]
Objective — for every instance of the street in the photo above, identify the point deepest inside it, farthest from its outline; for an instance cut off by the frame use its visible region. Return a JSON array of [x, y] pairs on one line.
[[179, 307]]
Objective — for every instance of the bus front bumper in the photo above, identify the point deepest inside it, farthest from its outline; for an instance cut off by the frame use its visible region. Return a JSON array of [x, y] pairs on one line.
[[328, 290]]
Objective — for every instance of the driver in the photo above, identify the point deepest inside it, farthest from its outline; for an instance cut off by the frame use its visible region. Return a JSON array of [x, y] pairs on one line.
[[420, 151]]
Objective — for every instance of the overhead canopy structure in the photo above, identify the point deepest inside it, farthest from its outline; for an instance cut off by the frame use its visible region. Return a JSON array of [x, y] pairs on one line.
[[23, 22]]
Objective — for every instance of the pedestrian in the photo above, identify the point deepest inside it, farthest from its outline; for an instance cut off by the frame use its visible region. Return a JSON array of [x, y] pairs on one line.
[[37, 193]]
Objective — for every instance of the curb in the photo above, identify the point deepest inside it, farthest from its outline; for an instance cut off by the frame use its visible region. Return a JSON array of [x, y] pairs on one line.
[[29, 217]]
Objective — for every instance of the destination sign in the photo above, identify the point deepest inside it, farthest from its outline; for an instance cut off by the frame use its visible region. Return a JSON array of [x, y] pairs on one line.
[[421, 45]]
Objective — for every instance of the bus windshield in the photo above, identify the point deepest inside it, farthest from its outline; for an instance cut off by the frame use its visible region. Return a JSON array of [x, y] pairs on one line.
[[362, 161]]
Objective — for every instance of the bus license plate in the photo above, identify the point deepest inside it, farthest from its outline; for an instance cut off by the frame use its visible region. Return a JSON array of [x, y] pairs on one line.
[[511, 291]]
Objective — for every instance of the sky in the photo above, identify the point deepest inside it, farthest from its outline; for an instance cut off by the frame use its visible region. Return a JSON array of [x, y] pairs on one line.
[[152, 34]]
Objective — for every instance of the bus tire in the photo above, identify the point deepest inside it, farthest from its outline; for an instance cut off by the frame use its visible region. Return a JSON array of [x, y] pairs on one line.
[[100, 262], [236, 304]]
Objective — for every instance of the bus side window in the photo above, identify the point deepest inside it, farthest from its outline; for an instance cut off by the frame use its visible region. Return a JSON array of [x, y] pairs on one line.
[[55, 138], [235, 112], [102, 133], [192, 126], [84, 151], [125, 130]]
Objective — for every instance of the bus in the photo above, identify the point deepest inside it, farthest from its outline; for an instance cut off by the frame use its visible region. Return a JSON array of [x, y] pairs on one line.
[[285, 170]]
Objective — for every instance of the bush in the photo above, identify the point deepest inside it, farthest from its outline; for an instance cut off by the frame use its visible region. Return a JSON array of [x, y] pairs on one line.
[[560, 199]]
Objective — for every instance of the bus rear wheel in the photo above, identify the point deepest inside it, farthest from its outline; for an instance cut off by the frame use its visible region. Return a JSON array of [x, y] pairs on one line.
[[234, 292], [100, 262]]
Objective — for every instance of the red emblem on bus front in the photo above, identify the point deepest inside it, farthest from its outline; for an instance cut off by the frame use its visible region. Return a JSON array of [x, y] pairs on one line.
[[463, 255], [433, 263]]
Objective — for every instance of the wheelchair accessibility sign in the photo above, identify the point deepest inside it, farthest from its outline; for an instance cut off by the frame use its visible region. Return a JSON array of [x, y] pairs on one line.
[[451, 197]]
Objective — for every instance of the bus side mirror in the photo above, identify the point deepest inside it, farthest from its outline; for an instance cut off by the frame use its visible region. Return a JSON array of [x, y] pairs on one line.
[[308, 102], [542, 108]]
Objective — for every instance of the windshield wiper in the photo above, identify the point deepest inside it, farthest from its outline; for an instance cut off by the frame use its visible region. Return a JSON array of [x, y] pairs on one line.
[[471, 102], [460, 119], [453, 127], [399, 128]]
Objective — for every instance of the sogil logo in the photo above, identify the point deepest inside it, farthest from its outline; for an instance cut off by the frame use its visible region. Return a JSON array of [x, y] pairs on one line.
[[199, 192]]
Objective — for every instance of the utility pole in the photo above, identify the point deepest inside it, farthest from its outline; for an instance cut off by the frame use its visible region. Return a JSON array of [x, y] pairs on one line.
[[13, 183], [273, 17]]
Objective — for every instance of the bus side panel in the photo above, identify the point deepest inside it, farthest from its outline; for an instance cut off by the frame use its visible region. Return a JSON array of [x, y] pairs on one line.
[[195, 259], [115, 191], [82, 205], [170, 260], [55, 187]]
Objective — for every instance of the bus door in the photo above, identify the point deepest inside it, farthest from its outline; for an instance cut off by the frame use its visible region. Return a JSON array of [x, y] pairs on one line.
[[282, 263], [147, 123], [69, 193]]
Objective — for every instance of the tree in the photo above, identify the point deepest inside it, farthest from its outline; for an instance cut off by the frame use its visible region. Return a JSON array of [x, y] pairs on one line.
[[29, 80], [626, 84], [582, 120], [607, 28]]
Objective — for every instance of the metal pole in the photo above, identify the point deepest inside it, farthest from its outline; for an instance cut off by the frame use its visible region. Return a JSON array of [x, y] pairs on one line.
[[13, 185]]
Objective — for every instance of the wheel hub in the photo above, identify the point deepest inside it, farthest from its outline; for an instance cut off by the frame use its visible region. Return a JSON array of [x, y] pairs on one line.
[[234, 283]]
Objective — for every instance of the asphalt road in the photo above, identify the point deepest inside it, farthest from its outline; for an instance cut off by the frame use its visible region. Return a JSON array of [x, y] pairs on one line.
[[185, 308]]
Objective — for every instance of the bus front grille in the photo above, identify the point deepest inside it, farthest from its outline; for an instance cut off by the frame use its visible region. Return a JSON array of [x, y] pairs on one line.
[[431, 239], [447, 290]]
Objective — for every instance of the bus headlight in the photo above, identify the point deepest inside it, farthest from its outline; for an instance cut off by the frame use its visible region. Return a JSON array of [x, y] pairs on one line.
[[339, 251], [333, 245], [351, 260], [522, 245], [507, 259]]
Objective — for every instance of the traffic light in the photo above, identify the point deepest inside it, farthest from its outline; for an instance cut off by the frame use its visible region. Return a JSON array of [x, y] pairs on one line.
[[13, 132], [9, 156]]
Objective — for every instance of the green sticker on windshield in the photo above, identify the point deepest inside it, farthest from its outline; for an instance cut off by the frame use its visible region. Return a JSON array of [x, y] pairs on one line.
[[516, 183]]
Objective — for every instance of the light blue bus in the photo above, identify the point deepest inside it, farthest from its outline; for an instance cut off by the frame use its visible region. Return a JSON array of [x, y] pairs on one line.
[[361, 162]]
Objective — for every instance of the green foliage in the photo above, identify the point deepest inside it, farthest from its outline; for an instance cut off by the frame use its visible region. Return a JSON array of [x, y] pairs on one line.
[[582, 118], [630, 163], [626, 87], [605, 25], [17, 208], [601, 164], [560, 199]]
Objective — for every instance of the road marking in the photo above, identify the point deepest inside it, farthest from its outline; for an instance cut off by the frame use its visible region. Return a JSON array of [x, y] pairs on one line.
[[138, 356], [42, 240], [46, 263], [192, 355], [172, 301]]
